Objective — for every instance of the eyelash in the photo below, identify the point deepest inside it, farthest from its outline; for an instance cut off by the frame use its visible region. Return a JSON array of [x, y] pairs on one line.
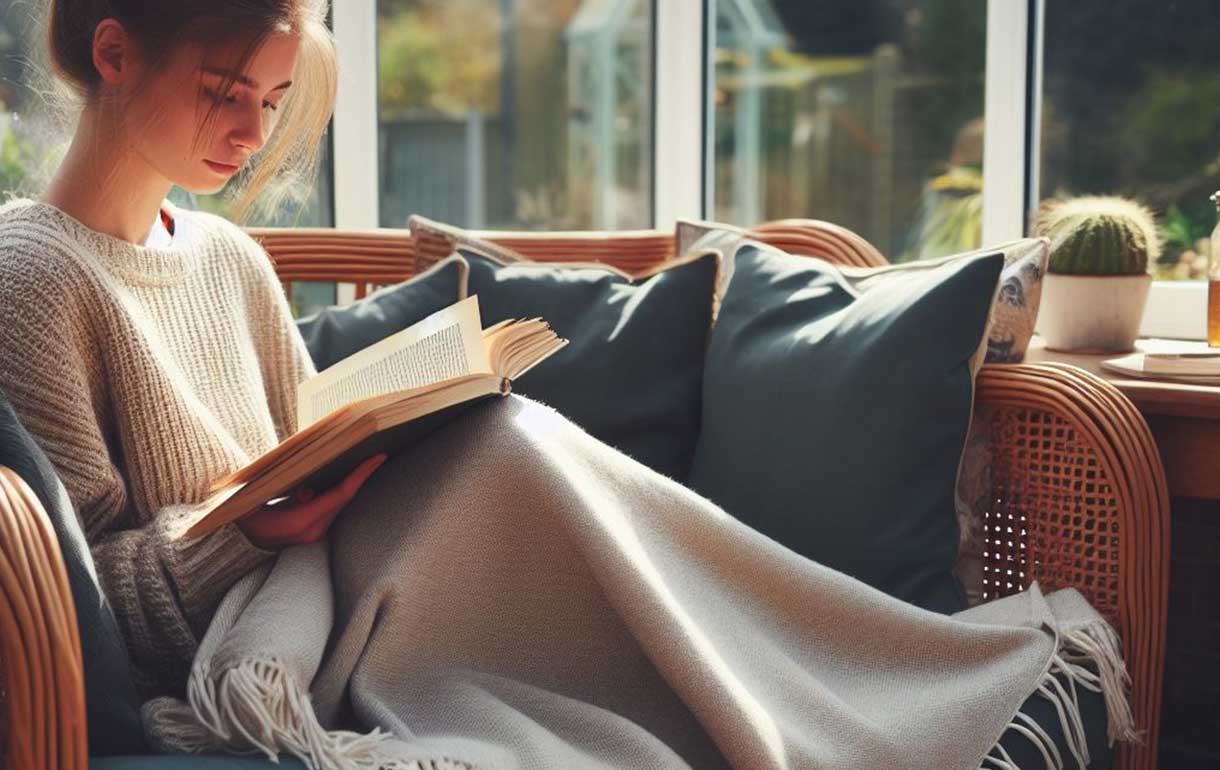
[[215, 96]]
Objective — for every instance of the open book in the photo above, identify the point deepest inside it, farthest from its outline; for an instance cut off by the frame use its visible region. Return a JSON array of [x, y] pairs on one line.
[[384, 399]]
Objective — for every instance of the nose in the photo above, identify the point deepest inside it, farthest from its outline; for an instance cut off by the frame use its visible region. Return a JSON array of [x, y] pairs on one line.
[[247, 131]]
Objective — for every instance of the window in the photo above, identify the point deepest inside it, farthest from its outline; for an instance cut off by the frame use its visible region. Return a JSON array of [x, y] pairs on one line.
[[1131, 106], [516, 113], [875, 114], [869, 115]]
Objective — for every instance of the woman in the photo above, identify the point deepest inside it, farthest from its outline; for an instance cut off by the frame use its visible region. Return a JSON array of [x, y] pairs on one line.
[[186, 348], [513, 594]]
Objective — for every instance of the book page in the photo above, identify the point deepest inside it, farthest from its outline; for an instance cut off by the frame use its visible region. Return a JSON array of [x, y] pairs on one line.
[[444, 345]]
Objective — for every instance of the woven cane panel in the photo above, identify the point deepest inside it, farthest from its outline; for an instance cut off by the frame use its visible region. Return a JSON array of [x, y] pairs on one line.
[[1053, 513]]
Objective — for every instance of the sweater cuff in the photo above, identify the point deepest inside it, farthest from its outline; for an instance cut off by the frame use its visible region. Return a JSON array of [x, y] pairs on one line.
[[205, 568]]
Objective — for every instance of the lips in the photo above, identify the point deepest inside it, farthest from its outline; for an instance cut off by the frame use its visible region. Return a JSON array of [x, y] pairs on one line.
[[227, 169]]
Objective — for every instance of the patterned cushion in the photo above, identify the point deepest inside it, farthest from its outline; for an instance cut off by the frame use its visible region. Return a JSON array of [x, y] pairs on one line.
[[1016, 306], [434, 237], [697, 237]]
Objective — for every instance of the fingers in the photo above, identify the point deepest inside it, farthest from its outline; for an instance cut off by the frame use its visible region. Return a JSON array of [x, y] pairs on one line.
[[308, 517], [272, 526], [357, 477], [330, 503]]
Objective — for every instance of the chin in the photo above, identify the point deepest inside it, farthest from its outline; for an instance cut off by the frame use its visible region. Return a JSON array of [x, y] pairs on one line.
[[203, 187]]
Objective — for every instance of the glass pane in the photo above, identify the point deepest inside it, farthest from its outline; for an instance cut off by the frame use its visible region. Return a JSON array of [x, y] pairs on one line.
[[31, 145], [865, 114], [538, 115], [1131, 107]]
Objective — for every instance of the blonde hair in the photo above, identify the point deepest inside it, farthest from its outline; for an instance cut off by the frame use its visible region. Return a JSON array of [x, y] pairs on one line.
[[285, 168]]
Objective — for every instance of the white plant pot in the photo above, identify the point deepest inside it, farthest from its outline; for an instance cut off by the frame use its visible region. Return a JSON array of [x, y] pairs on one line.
[[1086, 313]]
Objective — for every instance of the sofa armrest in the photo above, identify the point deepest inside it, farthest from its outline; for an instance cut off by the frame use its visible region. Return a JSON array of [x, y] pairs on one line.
[[1078, 499], [815, 238], [42, 691]]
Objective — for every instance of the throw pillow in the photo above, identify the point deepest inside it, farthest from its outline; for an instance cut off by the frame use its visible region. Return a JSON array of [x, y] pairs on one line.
[[334, 333], [835, 409], [437, 240], [112, 705], [1013, 315], [1016, 308], [694, 237], [631, 372]]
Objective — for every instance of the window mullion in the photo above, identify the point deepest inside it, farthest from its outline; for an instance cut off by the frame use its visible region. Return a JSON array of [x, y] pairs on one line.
[[1005, 148], [678, 42], [355, 123]]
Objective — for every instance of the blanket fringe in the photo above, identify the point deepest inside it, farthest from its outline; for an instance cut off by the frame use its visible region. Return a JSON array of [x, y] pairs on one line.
[[1089, 656], [257, 707]]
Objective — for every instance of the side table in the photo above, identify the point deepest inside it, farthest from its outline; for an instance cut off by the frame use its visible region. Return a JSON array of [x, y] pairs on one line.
[[1185, 421]]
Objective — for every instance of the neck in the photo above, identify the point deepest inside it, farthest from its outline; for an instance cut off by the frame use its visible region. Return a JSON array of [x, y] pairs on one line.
[[105, 184]]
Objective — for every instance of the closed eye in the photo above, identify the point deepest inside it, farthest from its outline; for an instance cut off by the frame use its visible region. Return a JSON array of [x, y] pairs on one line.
[[232, 99]]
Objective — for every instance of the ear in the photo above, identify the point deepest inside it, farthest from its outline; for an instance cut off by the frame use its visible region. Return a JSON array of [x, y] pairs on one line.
[[112, 53]]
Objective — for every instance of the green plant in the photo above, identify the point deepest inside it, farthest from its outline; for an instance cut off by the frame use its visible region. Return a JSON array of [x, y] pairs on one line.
[[1098, 235]]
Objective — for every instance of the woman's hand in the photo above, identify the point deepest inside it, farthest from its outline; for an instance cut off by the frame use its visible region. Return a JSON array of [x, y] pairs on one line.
[[307, 518]]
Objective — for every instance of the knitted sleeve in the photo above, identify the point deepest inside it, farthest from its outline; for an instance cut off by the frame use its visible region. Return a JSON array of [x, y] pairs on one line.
[[163, 589], [284, 357]]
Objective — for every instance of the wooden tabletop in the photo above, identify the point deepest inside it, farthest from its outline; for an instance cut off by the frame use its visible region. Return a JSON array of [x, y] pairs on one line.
[[1184, 418], [1153, 397]]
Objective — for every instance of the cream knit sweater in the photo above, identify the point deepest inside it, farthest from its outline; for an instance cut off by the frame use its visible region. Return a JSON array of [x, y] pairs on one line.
[[145, 373]]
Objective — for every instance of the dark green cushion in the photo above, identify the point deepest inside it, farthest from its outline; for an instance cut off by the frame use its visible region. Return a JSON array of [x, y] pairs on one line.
[[631, 373], [835, 411], [334, 333], [112, 706], [193, 762]]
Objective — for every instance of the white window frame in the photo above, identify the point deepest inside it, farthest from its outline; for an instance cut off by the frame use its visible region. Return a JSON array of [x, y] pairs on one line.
[[1012, 157], [355, 157], [681, 155], [681, 61], [680, 93]]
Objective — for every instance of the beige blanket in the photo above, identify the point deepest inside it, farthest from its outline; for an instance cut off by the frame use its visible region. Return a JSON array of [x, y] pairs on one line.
[[515, 594]]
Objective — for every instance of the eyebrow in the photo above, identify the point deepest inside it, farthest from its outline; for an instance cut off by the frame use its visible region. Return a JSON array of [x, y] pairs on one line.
[[245, 81]]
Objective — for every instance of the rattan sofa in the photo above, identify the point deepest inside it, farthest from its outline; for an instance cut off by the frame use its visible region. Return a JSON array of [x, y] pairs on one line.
[[1078, 494]]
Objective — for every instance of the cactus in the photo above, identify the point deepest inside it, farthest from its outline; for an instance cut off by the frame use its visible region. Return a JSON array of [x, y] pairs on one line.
[[1098, 235]]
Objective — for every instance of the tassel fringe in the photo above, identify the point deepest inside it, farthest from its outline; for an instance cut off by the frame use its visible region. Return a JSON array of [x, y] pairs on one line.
[[258, 708], [1089, 656]]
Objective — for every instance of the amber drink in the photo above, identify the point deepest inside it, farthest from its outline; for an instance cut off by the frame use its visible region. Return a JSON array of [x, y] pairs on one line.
[[1213, 282], [1213, 311]]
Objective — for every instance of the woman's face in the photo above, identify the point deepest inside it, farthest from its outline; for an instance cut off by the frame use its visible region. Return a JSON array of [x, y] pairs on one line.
[[165, 117]]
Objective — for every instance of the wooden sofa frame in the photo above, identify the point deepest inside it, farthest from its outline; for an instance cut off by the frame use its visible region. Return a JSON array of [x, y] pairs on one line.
[[1077, 491]]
